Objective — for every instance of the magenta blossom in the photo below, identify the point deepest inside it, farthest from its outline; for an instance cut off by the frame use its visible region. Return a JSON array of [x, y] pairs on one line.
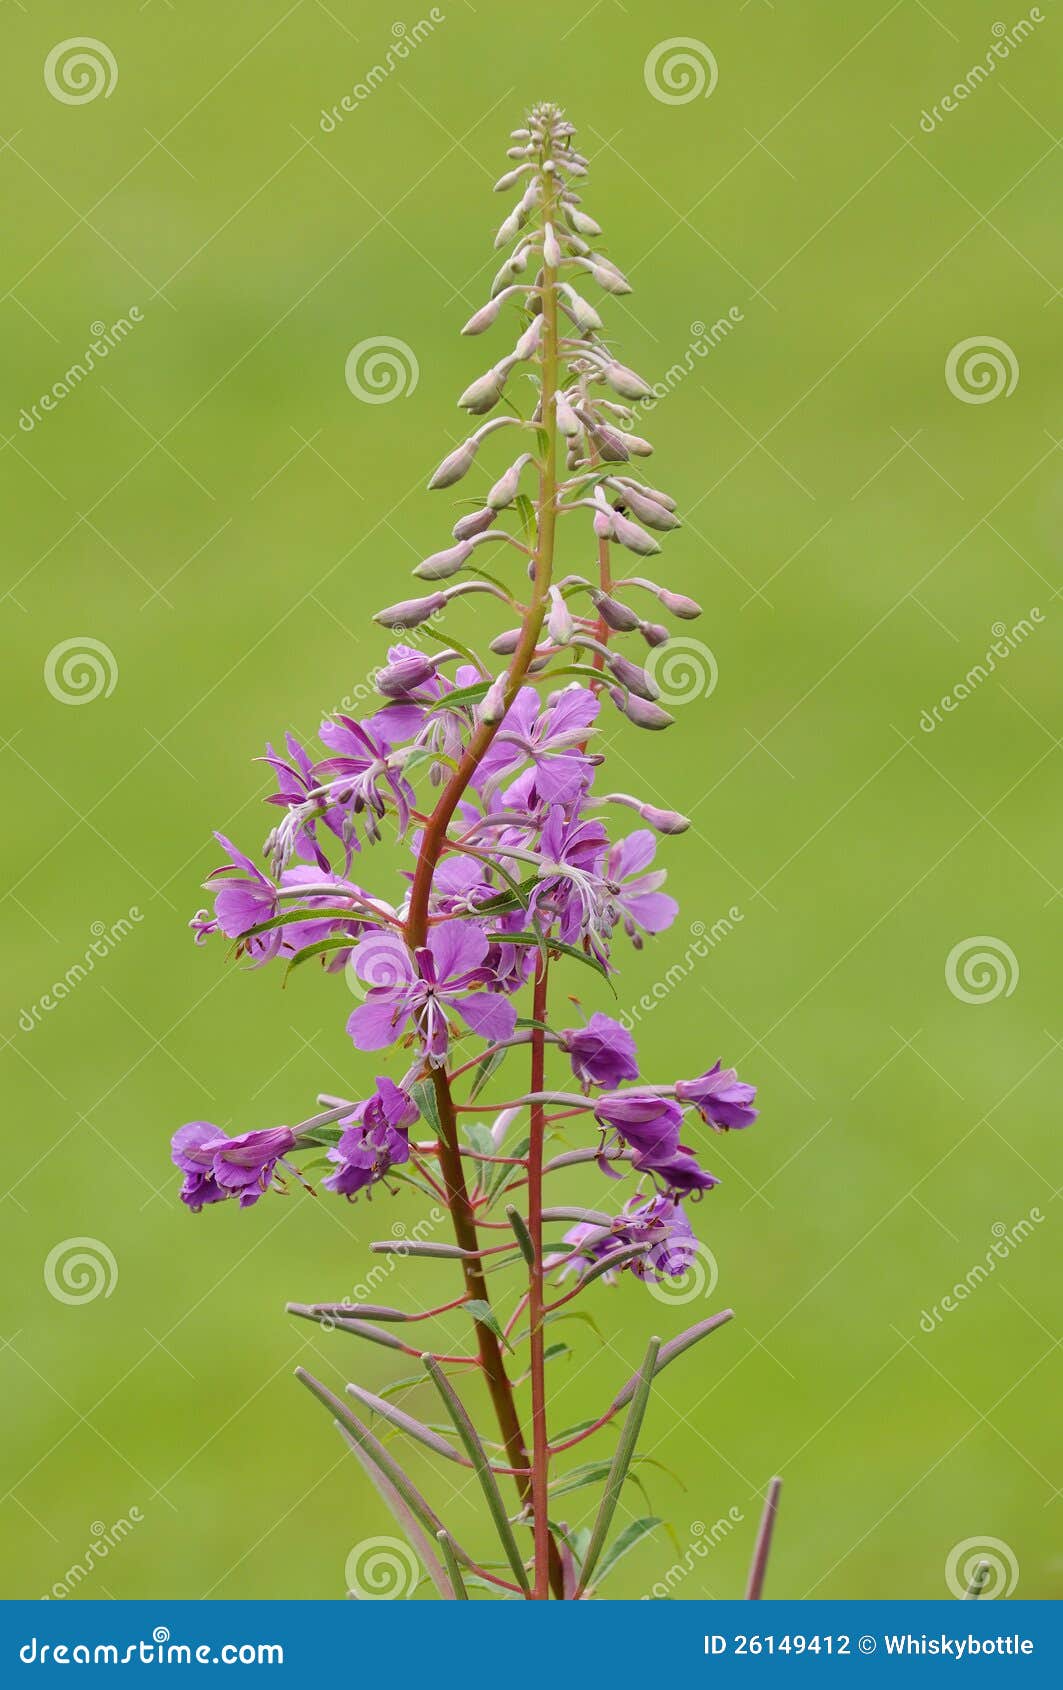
[[648, 1123], [602, 1053], [217, 1166], [721, 1098], [376, 1139], [422, 989], [637, 899]]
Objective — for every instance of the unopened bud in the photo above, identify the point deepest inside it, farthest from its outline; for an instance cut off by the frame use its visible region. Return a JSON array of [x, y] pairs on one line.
[[441, 564], [653, 633], [611, 445], [410, 613], [688, 610], [407, 672], [475, 522], [511, 178], [455, 466], [493, 704], [625, 382], [529, 340], [641, 711], [620, 617], [551, 249], [646, 509], [505, 488], [567, 420], [504, 645], [559, 623], [482, 319], [633, 537], [582, 223], [583, 315], [484, 393], [631, 676]]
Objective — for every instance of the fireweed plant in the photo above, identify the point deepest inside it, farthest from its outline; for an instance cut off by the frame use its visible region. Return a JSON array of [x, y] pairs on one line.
[[492, 778]]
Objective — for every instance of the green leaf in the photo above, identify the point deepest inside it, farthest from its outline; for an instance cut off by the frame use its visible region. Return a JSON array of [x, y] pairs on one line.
[[485, 1068], [479, 1138], [290, 916], [625, 1450], [526, 512], [521, 1234], [485, 1315], [553, 945], [461, 695], [450, 1561], [501, 1173], [423, 1093], [478, 1456], [628, 1538]]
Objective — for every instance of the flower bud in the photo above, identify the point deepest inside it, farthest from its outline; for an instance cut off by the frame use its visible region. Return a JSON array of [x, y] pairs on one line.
[[511, 178], [611, 445], [653, 633], [638, 447], [482, 319], [646, 509], [508, 230], [641, 711], [528, 343], [665, 821], [688, 610], [505, 488], [492, 706], [633, 537], [441, 564], [455, 466], [625, 382], [631, 676], [559, 623], [551, 249], [483, 394], [583, 224], [620, 617], [609, 277], [603, 524], [583, 315], [475, 522], [567, 420], [410, 613], [409, 671]]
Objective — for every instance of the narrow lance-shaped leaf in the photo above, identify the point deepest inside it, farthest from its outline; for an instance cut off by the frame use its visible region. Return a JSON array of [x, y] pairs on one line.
[[404, 1422], [357, 1328], [669, 1352], [478, 1456], [625, 1449], [404, 1517], [627, 1539], [521, 1233]]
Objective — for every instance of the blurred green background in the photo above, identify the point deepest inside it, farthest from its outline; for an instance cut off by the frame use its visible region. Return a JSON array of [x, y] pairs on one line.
[[218, 509]]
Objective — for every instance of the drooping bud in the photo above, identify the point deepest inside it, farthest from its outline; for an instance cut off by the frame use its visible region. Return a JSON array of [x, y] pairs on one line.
[[410, 613], [505, 488], [646, 509], [475, 522], [528, 343], [582, 223], [611, 444], [483, 394], [603, 524], [559, 623], [665, 821], [567, 420], [638, 447], [625, 382], [609, 277], [583, 314], [492, 706], [677, 604], [399, 678], [653, 633], [631, 676], [641, 711], [482, 319], [441, 564], [633, 537], [511, 178], [455, 466], [504, 645], [508, 229], [551, 249], [620, 617]]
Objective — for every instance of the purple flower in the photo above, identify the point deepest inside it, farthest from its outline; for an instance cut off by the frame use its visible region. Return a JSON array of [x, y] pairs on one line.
[[720, 1097], [551, 739], [637, 900], [217, 1166], [376, 1139], [423, 989], [602, 1053], [658, 1222], [649, 1124], [680, 1171]]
